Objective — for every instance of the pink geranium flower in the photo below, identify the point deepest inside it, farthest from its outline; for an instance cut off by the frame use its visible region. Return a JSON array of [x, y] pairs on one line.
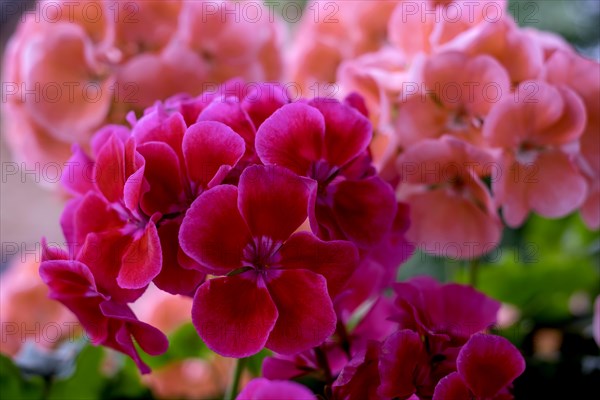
[[274, 286], [452, 210], [538, 129], [456, 95], [487, 366]]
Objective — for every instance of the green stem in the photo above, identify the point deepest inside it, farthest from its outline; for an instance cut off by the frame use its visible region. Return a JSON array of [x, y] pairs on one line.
[[473, 272], [232, 389]]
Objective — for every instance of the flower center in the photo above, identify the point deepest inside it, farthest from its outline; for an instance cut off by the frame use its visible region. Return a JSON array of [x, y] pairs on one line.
[[261, 254], [323, 173]]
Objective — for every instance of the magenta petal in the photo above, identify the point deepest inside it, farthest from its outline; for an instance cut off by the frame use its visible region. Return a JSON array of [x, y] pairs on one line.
[[163, 176], [292, 137], [150, 339], [208, 146], [77, 177], [173, 278], [452, 387], [401, 353], [103, 254], [142, 260], [263, 100], [213, 232], [229, 112], [359, 379], [364, 209], [72, 283], [234, 315], [264, 389], [306, 315], [347, 131], [273, 200], [335, 260], [488, 364], [109, 171]]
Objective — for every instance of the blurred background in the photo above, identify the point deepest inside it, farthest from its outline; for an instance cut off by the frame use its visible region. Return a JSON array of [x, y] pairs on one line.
[[547, 276]]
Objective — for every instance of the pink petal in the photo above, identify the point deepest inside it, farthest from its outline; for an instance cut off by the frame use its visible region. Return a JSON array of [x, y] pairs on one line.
[[557, 188], [292, 137], [336, 260], [343, 124], [488, 364], [103, 254], [364, 209], [359, 379], [229, 111], [264, 389], [209, 147], [163, 176], [213, 232], [452, 387], [306, 315], [234, 315], [400, 355], [450, 225], [263, 100], [149, 338], [273, 200], [142, 260], [109, 171], [173, 278], [77, 177]]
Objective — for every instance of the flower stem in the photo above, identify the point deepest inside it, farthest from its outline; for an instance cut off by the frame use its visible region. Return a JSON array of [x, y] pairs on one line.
[[473, 272], [234, 384], [323, 363]]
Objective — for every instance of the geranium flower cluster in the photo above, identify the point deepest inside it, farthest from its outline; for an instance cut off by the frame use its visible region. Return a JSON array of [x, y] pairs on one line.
[[432, 345], [267, 211], [73, 67], [472, 114]]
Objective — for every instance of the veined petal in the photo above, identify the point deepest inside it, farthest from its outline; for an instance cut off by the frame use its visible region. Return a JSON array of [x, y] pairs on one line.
[[234, 315], [213, 232], [306, 315]]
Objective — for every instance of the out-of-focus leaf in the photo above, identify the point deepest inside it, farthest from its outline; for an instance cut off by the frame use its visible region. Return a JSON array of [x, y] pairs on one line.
[[87, 380], [126, 384], [14, 386]]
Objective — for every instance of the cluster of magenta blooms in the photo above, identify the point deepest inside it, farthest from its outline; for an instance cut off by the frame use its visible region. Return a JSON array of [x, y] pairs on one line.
[[270, 214]]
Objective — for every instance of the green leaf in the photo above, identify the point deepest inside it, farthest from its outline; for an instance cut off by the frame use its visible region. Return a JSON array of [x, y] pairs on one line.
[[87, 380], [14, 386]]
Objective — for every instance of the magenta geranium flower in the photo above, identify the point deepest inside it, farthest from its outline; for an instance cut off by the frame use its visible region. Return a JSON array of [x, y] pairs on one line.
[[101, 310], [451, 312], [264, 389], [327, 141], [487, 366], [275, 285]]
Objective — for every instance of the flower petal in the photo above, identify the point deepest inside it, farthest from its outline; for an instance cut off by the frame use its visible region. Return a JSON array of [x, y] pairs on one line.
[[213, 233], [400, 355], [489, 363], [234, 315], [208, 147], [347, 131], [264, 389], [306, 315], [292, 137], [273, 200], [364, 209], [142, 260], [452, 387], [336, 260]]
